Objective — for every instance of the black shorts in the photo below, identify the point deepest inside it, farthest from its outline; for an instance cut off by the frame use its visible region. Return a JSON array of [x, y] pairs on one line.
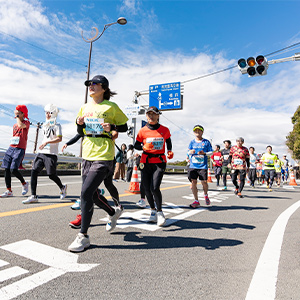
[[194, 174], [49, 161]]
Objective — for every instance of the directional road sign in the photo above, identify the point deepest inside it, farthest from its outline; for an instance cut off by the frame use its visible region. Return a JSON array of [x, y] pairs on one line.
[[165, 96]]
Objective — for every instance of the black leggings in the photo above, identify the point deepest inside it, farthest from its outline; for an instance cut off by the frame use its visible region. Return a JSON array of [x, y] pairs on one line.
[[108, 182], [234, 176], [152, 175], [269, 176], [16, 173], [90, 195], [252, 176], [33, 181]]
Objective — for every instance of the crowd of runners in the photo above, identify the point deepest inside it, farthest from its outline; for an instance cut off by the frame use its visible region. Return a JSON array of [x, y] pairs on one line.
[[99, 123]]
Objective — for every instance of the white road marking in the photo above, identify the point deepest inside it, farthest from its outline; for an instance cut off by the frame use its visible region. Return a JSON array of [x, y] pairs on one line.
[[263, 284], [59, 261], [11, 273], [177, 182], [3, 263]]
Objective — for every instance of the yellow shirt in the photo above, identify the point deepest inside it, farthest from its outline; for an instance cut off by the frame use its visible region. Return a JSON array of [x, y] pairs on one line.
[[269, 160], [99, 148]]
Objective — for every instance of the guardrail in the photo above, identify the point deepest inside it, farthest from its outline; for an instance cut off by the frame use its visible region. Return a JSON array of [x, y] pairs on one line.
[[75, 159], [60, 158]]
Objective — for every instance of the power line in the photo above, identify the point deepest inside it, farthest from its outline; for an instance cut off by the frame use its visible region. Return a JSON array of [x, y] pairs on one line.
[[43, 49], [288, 47]]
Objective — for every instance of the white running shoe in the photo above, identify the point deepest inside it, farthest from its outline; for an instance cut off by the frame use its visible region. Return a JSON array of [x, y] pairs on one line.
[[153, 217], [161, 220], [76, 205], [31, 199], [112, 220], [6, 194], [25, 188], [63, 192], [142, 203], [80, 243]]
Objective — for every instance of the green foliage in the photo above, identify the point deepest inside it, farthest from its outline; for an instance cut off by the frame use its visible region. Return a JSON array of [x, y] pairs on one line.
[[293, 139], [178, 163]]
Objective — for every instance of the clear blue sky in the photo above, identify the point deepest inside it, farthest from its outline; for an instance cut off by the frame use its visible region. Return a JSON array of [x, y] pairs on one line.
[[164, 41]]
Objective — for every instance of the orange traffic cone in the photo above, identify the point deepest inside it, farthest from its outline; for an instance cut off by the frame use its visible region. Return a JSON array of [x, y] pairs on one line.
[[209, 176], [134, 186], [292, 179]]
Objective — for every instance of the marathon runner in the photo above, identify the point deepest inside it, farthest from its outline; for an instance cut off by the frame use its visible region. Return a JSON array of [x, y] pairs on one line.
[[16, 151], [226, 169], [285, 169], [199, 148], [217, 163], [278, 165], [252, 167], [98, 118], [47, 156], [269, 160], [239, 159]]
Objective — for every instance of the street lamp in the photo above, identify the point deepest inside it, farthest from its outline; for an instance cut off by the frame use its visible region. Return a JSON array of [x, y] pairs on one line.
[[121, 21]]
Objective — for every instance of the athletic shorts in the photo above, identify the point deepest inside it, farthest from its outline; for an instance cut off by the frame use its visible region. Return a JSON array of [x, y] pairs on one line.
[[226, 170], [13, 158], [278, 175], [218, 170], [95, 166], [194, 174], [47, 161]]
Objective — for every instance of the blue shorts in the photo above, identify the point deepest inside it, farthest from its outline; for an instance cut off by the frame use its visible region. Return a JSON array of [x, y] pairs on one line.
[[13, 158]]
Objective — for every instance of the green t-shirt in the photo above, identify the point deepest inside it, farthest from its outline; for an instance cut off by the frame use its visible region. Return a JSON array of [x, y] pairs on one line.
[[278, 165], [269, 160], [98, 148]]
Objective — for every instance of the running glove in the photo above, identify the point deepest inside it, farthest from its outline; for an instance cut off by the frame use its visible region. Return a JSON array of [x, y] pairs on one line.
[[148, 147], [170, 154]]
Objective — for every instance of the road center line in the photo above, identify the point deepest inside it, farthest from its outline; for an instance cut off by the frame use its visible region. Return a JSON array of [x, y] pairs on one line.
[[58, 205], [263, 284]]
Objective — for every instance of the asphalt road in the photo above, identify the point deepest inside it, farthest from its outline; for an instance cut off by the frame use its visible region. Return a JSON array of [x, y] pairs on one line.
[[237, 249]]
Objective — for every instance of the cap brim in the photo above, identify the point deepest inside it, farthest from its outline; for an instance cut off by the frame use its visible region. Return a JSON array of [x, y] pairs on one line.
[[198, 128], [87, 82], [157, 113]]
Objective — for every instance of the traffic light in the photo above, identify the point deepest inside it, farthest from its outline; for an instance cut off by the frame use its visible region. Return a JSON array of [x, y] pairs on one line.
[[253, 66]]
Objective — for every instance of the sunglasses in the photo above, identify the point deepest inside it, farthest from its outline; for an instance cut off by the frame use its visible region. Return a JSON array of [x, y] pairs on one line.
[[94, 83], [49, 112]]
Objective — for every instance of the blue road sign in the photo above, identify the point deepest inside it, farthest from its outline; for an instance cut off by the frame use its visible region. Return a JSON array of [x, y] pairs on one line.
[[165, 96]]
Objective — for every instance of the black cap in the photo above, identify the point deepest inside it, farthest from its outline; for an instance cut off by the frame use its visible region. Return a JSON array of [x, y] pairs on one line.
[[153, 109], [97, 79], [227, 141], [198, 127]]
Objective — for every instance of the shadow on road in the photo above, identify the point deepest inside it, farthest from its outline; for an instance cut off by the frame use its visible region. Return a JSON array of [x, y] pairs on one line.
[[157, 242]]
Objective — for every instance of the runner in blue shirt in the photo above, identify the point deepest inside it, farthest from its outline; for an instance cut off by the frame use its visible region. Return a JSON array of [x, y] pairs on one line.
[[199, 148]]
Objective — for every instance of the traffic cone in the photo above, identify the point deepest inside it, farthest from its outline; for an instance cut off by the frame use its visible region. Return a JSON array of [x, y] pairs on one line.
[[209, 176], [292, 179], [134, 186]]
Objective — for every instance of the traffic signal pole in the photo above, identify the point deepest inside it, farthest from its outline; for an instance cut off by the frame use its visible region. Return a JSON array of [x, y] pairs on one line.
[[285, 59]]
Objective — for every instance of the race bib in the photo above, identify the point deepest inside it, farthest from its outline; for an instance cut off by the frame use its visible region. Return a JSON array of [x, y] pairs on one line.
[[158, 143], [270, 162], [47, 147], [238, 162], [217, 158], [15, 140], [198, 159], [93, 125], [226, 157]]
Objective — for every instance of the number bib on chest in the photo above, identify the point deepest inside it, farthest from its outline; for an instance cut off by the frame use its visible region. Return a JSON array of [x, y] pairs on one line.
[[93, 125], [238, 162], [15, 140], [198, 159], [158, 142]]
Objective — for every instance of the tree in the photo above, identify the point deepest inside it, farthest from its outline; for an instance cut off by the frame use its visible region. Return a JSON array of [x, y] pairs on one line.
[[293, 139]]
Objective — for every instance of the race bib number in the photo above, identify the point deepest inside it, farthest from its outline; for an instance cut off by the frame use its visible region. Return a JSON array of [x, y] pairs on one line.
[[158, 143], [217, 158], [226, 157], [93, 125], [270, 162], [238, 162], [15, 140], [47, 147], [198, 159]]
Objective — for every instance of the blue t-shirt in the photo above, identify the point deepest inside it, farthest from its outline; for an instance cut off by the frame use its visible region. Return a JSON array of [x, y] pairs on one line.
[[198, 161]]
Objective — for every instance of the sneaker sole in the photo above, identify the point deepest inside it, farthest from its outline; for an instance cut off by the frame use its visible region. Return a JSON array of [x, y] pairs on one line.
[[75, 208], [75, 226], [30, 202], [79, 249]]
